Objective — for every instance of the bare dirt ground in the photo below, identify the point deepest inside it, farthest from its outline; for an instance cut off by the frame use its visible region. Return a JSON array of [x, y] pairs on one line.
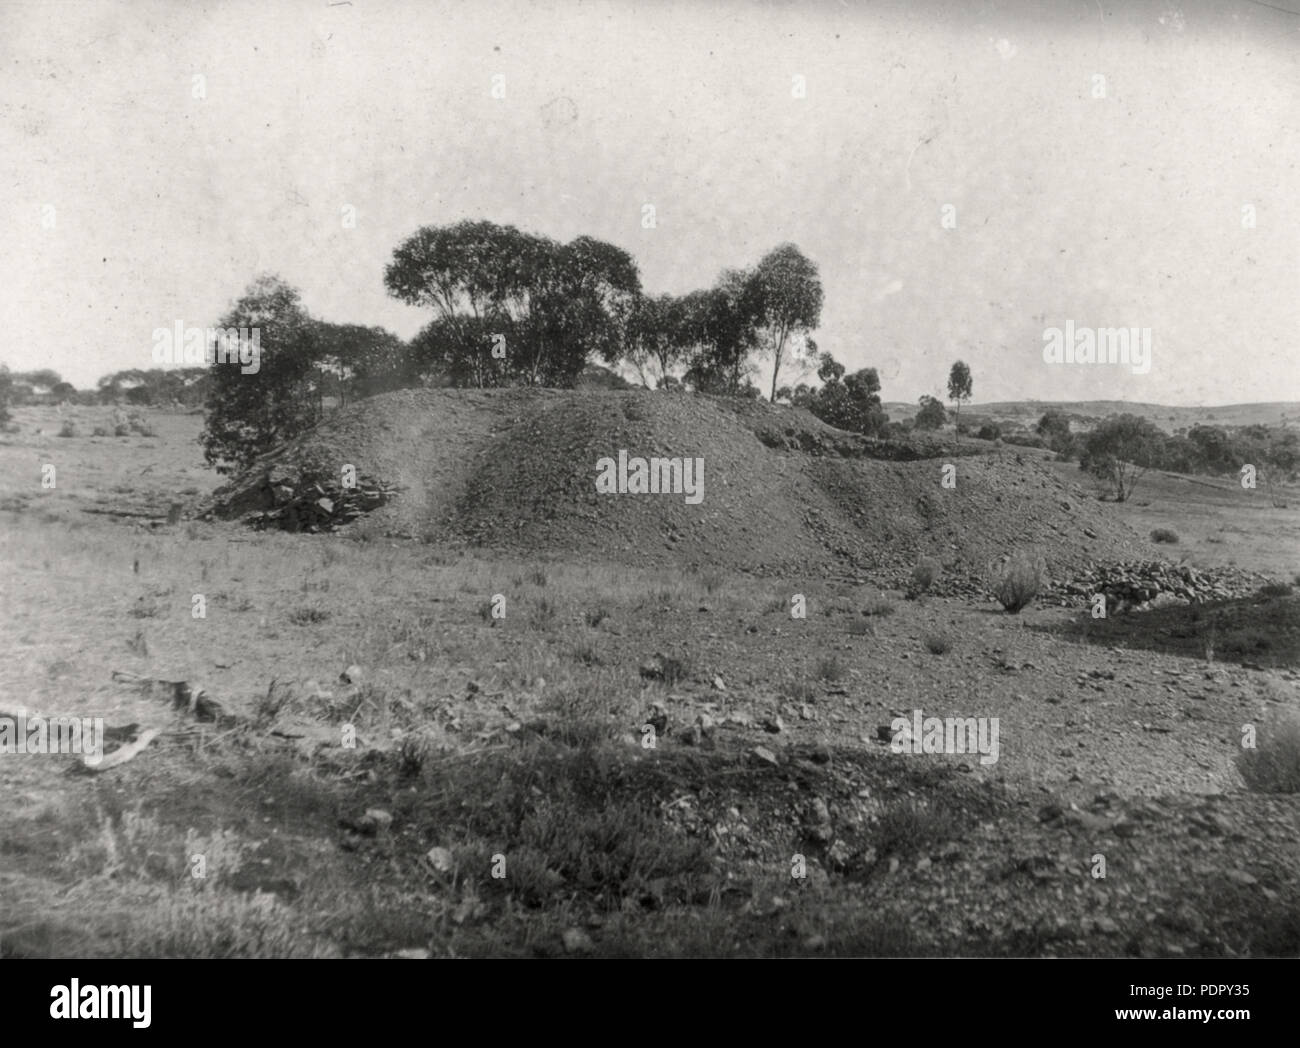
[[501, 799]]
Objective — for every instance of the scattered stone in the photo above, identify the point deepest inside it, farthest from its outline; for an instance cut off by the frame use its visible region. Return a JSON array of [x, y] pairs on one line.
[[351, 675], [765, 755], [381, 819], [718, 684], [440, 859], [295, 502], [839, 856], [773, 724]]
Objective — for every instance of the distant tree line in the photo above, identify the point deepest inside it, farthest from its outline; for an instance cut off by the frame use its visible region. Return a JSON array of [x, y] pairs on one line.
[[511, 308], [1119, 448]]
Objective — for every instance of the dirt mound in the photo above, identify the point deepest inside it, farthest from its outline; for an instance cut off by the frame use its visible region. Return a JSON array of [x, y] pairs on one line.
[[779, 490]]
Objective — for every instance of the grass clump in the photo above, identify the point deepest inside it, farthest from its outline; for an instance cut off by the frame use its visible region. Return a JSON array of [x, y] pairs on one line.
[[938, 643], [1273, 765], [925, 573], [1018, 581]]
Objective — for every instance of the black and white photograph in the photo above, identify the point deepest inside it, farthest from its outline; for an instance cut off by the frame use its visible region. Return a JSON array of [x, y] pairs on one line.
[[618, 480]]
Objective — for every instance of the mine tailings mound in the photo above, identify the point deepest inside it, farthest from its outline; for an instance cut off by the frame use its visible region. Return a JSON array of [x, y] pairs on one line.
[[515, 471]]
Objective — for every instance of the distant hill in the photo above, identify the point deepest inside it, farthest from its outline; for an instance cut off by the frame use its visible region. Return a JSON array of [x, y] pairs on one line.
[[1167, 416]]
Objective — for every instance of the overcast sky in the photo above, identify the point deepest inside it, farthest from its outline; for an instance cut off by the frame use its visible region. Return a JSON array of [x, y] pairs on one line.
[[1125, 210]]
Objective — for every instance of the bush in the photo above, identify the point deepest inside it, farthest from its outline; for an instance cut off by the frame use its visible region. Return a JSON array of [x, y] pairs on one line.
[[1017, 581], [879, 606], [923, 575], [137, 423], [829, 667], [989, 431], [1273, 766], [1164, 535], [68, 429], [938, 643], [99, 431], [121, 430], [1275, 589], [1023, 440]]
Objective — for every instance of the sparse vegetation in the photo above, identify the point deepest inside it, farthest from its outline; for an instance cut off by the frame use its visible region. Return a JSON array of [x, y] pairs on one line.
[[924, 574], [1165, 535], [1018, 581], [879, 606], [1273, 766], [938, 643], [831, 668]]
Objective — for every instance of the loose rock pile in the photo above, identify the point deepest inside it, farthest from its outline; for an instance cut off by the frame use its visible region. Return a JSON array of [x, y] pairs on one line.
[[1140, 584], [313, 506]]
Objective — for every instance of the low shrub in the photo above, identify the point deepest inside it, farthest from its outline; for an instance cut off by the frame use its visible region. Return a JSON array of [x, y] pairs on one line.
[[923, 575], [938, 643], [1017, 581], [1273, 766]]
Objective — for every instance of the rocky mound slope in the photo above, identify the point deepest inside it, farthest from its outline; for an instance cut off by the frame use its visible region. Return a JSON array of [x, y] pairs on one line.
[[516, 470]]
